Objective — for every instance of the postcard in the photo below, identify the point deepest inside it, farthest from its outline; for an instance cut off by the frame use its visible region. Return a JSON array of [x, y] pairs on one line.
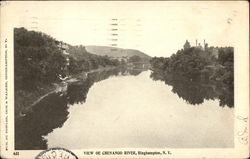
[[124, 79]]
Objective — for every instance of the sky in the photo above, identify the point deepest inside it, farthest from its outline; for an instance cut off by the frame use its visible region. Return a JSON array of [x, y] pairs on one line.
[[156, 28]]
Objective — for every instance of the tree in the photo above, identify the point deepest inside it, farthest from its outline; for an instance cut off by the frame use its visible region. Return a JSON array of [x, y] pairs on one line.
[[37, 58], [135, 59]]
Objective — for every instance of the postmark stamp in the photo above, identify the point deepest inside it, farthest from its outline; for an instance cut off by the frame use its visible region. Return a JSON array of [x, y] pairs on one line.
[[56, 153]]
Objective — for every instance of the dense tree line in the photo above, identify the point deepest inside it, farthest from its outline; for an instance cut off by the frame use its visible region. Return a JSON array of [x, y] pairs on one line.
[[226, 72], [197, 74], [195, 63], [38, 60], [81, 60]]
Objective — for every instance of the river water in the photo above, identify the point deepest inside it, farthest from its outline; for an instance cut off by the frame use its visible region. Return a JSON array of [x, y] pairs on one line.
[[128, 109]]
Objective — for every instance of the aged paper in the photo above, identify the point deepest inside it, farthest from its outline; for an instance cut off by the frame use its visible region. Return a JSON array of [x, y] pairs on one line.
[[124, 79]]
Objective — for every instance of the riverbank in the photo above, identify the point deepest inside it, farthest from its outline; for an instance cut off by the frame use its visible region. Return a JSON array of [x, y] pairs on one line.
[[25, 100]]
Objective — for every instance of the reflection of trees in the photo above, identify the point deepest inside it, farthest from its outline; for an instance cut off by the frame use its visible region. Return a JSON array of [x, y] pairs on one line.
[[51, 112], [226, 96], [194, 92], [134, 72], [48, 114], [77, 92]]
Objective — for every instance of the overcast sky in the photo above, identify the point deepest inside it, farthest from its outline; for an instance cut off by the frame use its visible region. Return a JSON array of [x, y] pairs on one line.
[[156, 28]]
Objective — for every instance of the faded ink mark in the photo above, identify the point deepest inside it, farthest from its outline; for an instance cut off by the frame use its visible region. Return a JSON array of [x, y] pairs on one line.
[[242, 134]]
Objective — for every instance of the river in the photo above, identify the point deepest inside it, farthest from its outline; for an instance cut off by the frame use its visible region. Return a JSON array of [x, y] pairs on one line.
[[128, 109]]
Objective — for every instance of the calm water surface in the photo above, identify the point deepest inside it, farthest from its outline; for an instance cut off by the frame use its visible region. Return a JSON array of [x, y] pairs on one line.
[[121, 109]]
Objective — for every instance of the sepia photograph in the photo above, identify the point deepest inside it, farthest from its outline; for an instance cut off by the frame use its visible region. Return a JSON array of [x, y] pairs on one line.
[[126, 75]]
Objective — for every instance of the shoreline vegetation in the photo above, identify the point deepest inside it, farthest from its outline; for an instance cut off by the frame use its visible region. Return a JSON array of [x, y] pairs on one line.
[[42, 65], [27, 100], [204, 73], [52, 110]]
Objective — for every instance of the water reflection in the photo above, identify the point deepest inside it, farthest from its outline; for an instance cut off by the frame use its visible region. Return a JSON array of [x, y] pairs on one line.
[[195, 92], [77, 91], [132, 112], [52, 111], [46, 115]]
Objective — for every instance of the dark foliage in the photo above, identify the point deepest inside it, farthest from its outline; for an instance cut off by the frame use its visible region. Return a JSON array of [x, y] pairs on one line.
[[81, 60], [52, 111], [39, 60], [135, 59], [194, 71]]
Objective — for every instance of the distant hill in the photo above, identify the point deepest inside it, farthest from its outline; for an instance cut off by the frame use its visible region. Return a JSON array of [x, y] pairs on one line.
[[79, 52], [115, 52]]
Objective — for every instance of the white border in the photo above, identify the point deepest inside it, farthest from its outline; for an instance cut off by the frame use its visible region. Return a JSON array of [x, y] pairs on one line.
[[241, 47]]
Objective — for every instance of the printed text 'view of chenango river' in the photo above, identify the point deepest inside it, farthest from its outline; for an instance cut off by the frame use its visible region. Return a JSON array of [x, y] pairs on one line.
[[127, 108]]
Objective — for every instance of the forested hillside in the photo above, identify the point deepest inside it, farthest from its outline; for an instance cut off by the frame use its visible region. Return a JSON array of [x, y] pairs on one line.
[[40, 63], [39, 60], [116, 52], [81, 60]]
